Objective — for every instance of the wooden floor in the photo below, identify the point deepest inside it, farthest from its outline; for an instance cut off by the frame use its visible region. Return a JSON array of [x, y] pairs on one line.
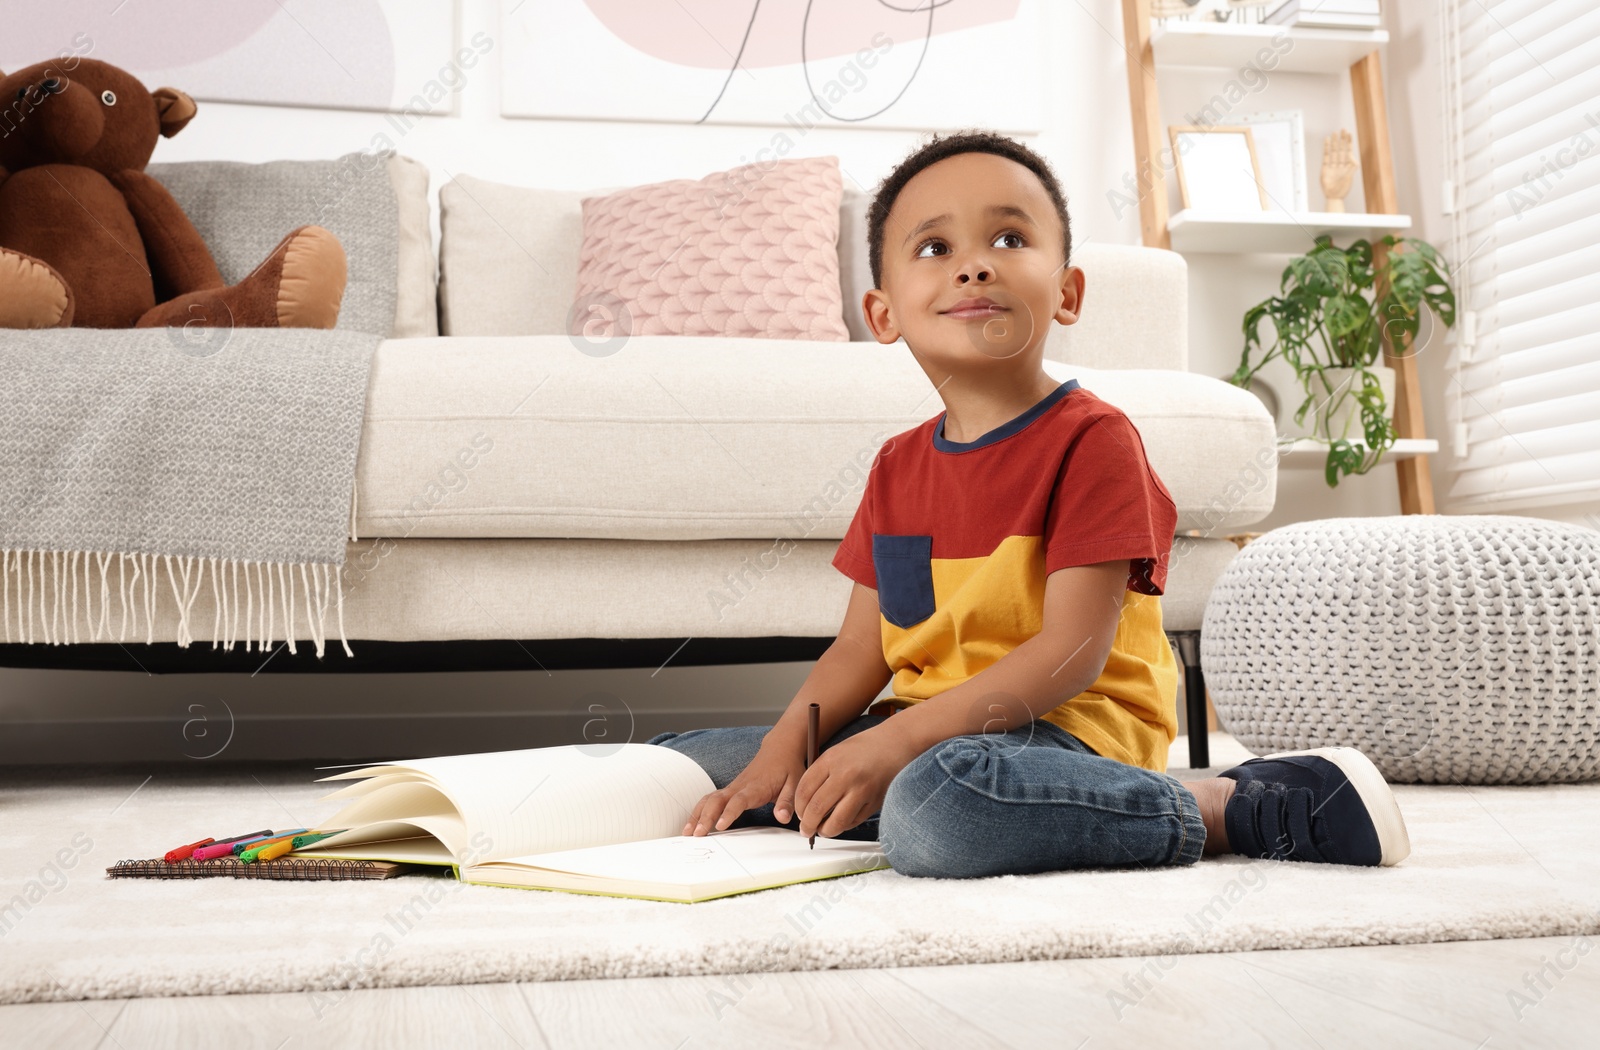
[[1474, 994]]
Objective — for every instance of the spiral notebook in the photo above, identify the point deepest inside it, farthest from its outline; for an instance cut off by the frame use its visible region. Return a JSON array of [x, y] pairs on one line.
[[282, 868]]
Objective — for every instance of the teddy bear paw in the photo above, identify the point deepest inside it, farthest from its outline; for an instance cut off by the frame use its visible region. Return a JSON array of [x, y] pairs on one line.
[[32, 294], [311, 285], [299, 285]]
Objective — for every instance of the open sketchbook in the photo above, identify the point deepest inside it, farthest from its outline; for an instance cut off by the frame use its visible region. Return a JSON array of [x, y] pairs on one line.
[[578, 817]]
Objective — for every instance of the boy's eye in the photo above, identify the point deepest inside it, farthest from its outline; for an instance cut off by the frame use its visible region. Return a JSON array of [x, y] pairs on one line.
[[921, 253]]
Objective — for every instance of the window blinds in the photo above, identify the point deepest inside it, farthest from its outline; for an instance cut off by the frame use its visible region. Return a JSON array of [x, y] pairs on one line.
[[1522, 106]]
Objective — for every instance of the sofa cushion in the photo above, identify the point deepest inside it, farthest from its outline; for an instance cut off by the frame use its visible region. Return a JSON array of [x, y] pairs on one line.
[[855, 268], [416, 310], [685, 438], [243, 210], [751, 252], [508, 257], [1135, 310]]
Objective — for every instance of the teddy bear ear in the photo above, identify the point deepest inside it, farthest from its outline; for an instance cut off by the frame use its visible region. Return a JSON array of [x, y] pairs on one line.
[[175, 108]]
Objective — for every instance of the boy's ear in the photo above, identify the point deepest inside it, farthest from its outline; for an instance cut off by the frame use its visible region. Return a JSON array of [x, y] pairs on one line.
[[875, 308], [1071, 307]]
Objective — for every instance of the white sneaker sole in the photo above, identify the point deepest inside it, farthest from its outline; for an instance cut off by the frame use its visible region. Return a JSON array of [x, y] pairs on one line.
[[1376, 796]]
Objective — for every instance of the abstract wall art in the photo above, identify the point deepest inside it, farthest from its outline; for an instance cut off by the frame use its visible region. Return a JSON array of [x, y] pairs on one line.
[[396, 55], [804, 63]]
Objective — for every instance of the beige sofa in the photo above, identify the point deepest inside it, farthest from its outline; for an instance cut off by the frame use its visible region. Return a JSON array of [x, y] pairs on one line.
[[518, 485]]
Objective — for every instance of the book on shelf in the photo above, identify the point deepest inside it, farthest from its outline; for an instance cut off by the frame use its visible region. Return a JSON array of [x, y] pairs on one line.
[[1327, 14], [581, 818], [1343, 7]]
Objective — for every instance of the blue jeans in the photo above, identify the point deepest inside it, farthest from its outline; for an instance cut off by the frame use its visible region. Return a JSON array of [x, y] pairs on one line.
[[1034, 799]]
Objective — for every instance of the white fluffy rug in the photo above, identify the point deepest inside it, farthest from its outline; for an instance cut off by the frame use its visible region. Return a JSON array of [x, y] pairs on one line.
[[1486, 863]]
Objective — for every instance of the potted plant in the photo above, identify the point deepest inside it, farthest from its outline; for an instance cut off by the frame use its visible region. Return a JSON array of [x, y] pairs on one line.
[[1328, 322]]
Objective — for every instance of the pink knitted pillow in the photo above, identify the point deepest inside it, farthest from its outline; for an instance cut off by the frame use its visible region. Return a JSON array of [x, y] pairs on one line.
[[752, 251]]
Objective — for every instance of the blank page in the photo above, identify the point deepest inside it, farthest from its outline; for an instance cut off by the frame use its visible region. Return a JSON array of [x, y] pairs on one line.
[[544, 799], [753, 856]]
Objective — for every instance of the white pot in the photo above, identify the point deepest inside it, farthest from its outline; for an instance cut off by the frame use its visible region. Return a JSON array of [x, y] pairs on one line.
[[1335, 412]]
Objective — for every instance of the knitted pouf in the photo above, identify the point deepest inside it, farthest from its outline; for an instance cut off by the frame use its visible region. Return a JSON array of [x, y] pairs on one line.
[[1450, 649]]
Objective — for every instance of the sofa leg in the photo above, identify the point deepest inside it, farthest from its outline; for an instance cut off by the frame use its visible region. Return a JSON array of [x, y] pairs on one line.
[[1194, 688]]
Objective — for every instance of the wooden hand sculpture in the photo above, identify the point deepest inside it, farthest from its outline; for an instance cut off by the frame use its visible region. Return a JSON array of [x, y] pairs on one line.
[[1338, 167]]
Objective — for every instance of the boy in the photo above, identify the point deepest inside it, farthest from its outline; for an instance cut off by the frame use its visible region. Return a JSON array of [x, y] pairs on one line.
[[1008, 558]]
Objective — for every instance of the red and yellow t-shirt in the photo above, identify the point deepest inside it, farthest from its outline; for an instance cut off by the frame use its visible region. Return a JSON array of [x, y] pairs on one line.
[[958, 537]]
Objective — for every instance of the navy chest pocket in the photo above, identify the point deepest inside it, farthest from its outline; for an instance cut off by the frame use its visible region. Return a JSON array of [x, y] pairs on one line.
[[904, 565]]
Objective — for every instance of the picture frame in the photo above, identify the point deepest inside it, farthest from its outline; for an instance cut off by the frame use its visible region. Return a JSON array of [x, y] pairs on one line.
[[1217, 167], [1281, 151], [842, 66]]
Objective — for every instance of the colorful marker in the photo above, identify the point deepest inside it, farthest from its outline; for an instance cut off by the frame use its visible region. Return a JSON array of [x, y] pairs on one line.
[[183, 852], [246, 835], [213, 851], [271, 837], [301, 841], [252, 850], [268, 852]]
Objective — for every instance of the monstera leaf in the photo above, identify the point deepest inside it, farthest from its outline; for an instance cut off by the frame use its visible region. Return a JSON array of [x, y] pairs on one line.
[[1335, 308]]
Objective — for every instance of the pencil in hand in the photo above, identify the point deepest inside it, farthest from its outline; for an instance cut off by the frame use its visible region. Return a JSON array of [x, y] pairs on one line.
[[812, 714]]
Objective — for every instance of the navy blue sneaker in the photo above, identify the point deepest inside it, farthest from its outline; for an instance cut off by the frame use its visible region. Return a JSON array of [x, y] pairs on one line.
[[1324, 804]]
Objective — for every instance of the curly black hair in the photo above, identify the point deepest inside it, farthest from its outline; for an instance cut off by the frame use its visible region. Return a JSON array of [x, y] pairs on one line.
[[937, 149]]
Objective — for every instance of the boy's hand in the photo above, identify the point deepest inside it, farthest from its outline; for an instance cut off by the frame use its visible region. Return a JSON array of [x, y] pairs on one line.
[[771, 776], [847, 783]]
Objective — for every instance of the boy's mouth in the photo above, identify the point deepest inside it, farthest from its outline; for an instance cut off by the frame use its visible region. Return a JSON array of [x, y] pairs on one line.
[[979, 307]]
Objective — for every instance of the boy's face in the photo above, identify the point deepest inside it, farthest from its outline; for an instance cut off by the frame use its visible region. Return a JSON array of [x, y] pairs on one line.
[[972, 226]]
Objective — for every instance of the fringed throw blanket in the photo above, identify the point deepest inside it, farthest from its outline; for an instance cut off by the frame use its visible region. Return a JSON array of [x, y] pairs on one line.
[[141, 467]]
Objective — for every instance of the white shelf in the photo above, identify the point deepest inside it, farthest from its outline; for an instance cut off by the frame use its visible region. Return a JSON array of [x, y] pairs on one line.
[[1219, 45], [1311, 454], [1274, 231]]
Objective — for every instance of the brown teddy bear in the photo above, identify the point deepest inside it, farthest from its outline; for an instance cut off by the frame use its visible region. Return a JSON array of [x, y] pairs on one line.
[[88, 239]]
